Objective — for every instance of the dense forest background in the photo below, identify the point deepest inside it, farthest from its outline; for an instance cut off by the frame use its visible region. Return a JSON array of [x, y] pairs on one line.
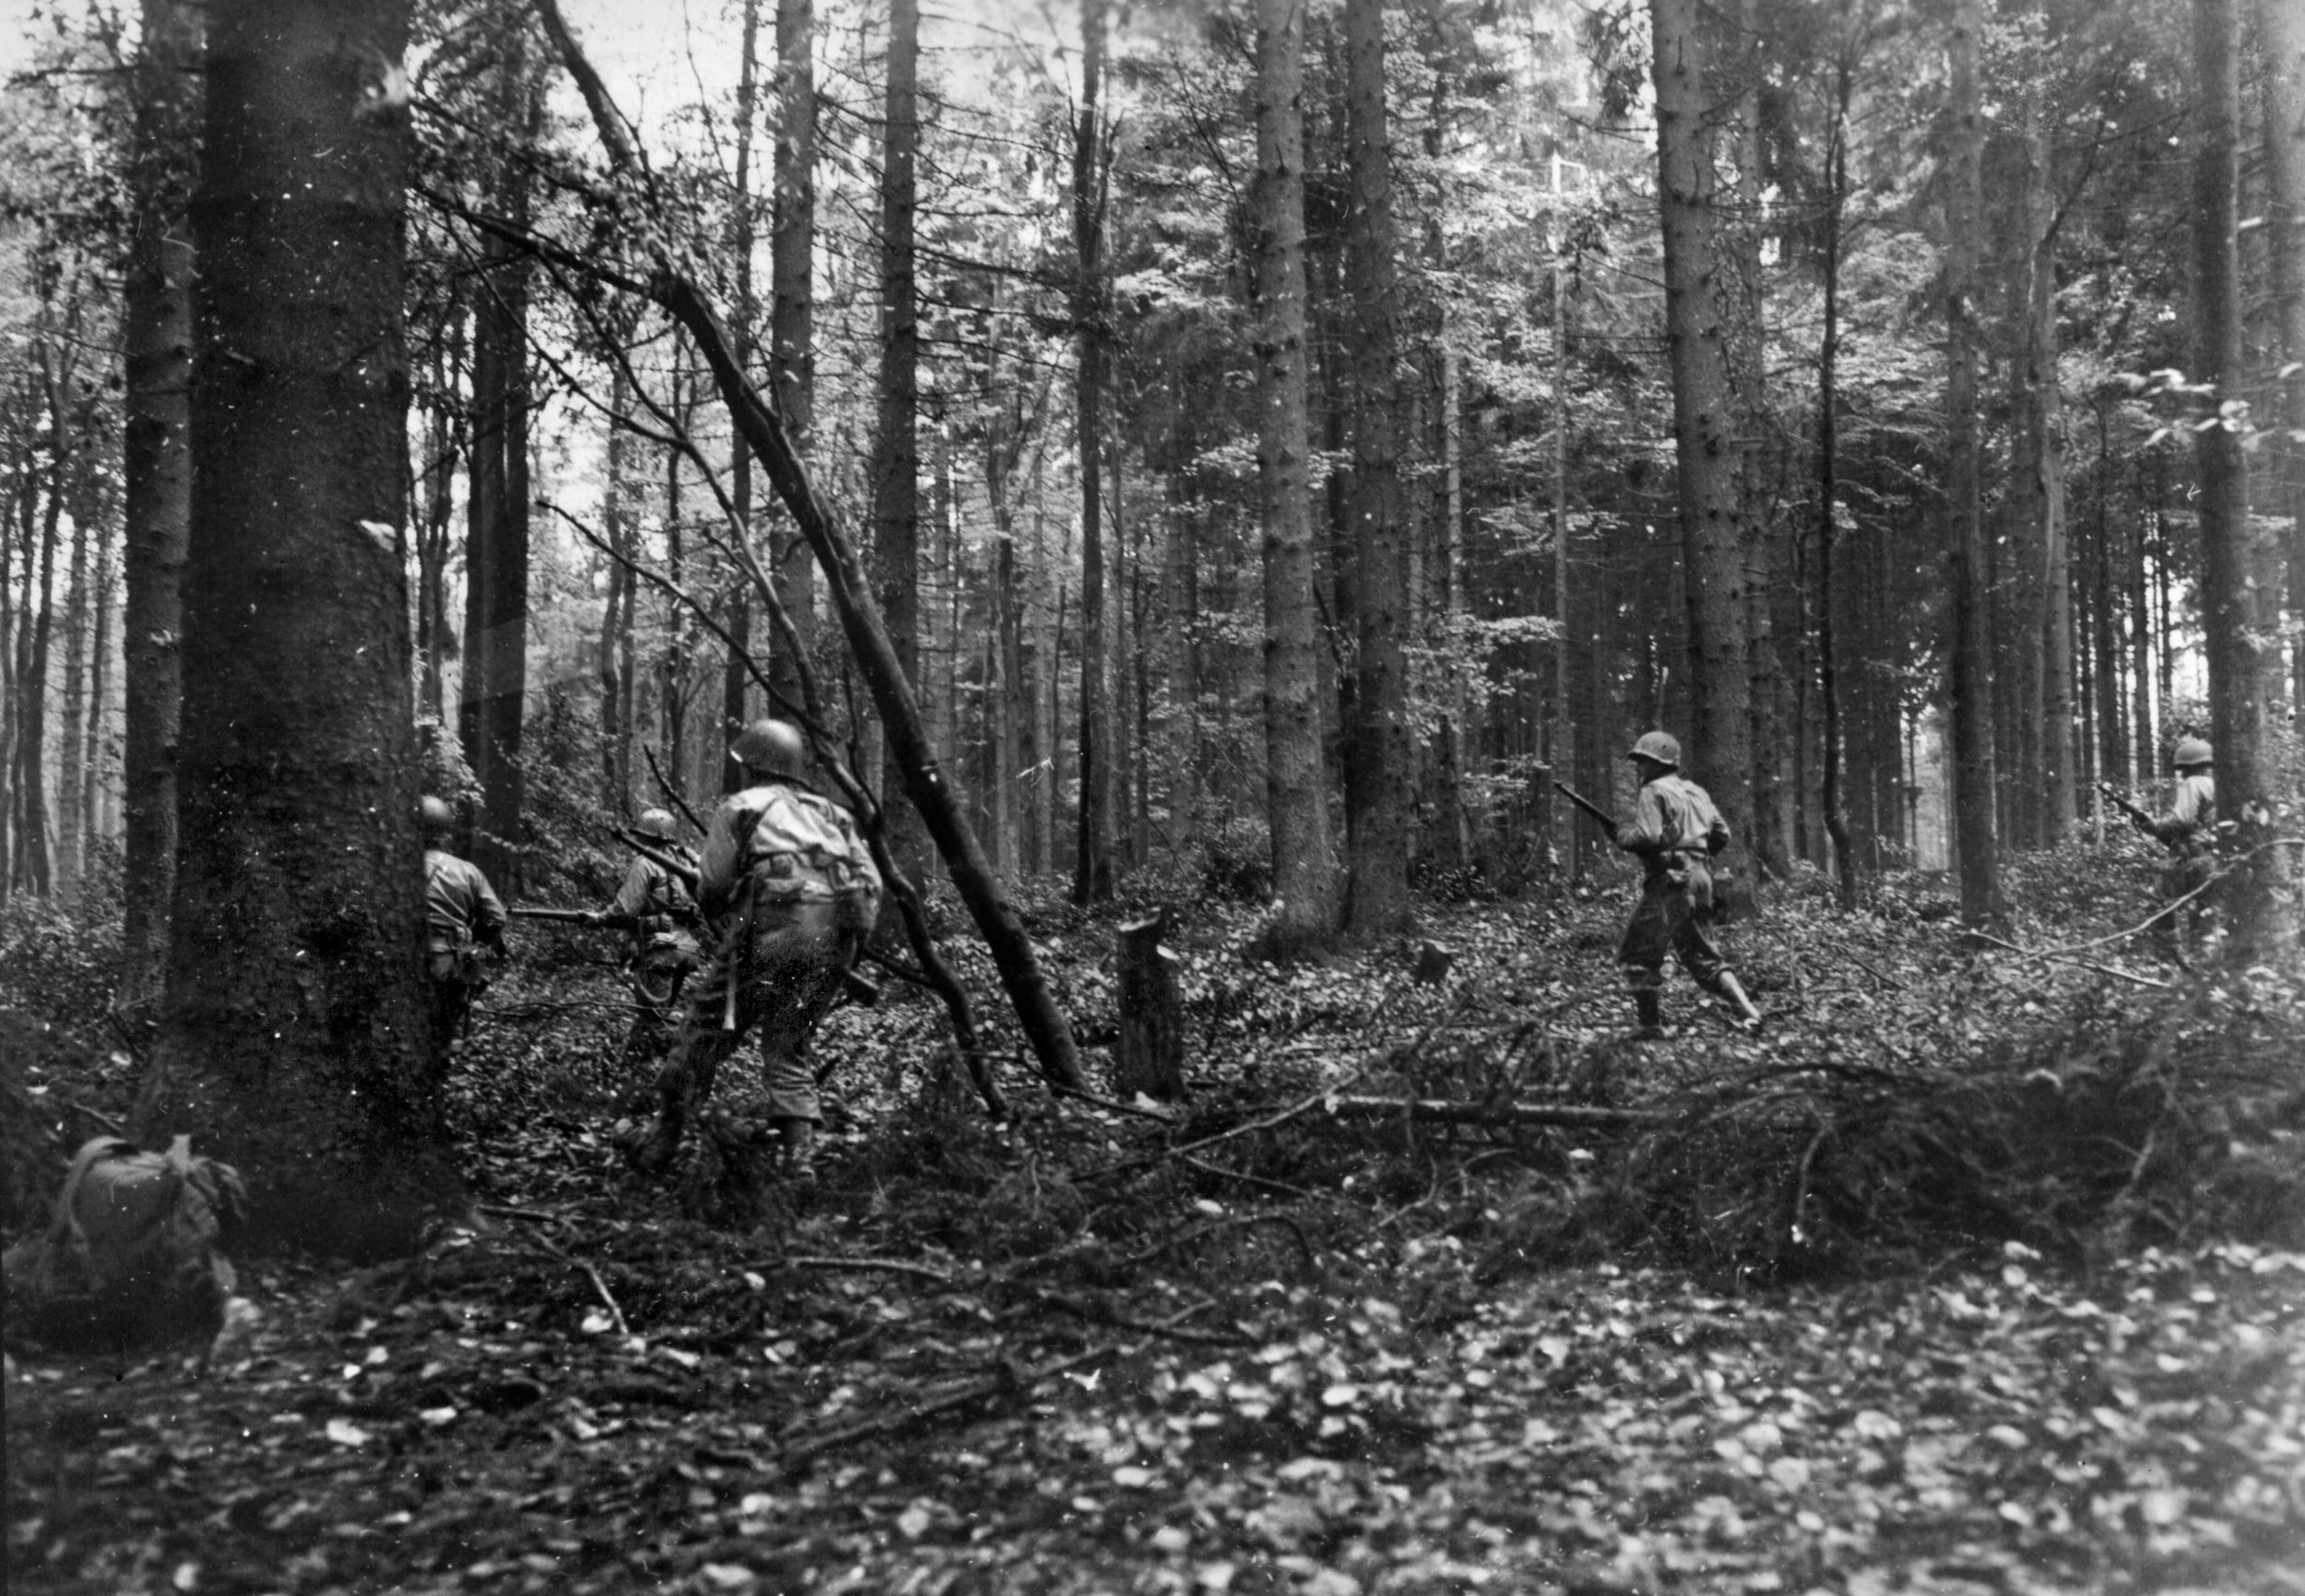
[[1004, 282]]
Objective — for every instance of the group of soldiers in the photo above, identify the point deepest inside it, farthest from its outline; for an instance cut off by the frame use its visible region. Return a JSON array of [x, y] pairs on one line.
[[770, 918], [768, 921]]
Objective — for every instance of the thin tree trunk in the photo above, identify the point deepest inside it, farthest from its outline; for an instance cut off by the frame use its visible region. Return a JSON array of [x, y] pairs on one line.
[[95, 789], [2256, 897], [71, 750], [792, 309], [2281, 33], [295, 1038], [1303, 859], [1093, 854], [1976, 839], [897, 449], [736, 671], [1829, 485]]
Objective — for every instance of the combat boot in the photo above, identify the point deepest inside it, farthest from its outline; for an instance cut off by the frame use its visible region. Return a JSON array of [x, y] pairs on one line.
[[1649, 1006], [799, 1159], [1729, 986]]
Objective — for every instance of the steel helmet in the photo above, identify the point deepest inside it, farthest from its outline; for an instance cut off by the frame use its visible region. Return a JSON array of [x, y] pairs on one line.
[[1660, 746], [772, 747], [434, 816], [656, 823], [2192, 751]]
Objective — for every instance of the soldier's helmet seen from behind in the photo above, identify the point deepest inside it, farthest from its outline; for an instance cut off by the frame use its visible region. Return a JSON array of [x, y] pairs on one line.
[[2191, 751], [434, 816], [773, 748], [656, 823], [1660, 746]]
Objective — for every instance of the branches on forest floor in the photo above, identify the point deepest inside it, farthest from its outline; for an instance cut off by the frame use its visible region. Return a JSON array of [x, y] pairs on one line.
[[2052, 956]]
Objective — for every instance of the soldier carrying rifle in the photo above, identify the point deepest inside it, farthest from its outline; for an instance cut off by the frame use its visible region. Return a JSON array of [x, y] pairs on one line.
[[2189, 831], [1674, 832], [792, 892]]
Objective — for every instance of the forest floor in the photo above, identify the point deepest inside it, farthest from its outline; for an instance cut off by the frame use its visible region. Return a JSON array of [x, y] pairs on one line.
[[1272, 1346]]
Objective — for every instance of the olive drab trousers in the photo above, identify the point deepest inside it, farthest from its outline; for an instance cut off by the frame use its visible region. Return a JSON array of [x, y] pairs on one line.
[[785, 968]]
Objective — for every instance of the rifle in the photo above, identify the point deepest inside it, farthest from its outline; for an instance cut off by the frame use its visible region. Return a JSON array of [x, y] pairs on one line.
[[575, 917], [686, 873], [2143, 820], [1590, 808]]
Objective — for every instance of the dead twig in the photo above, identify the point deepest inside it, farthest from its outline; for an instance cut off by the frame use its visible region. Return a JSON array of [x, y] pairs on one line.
[[1445, 1111], [2057, 958], [1282, 1186], [1010, 1380], [599, 1284], [861, 1266]]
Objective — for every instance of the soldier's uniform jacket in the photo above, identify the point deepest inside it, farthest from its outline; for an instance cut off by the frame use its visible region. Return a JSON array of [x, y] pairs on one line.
[[2190, 826], [1675, 830], [794, 847], [653, 894], [460, 907]]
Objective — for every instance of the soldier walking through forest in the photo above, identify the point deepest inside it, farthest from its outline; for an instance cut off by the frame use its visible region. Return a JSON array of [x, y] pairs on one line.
[[1674, 832], [462, 915], [2188, 829], [792, 893], [657, 904]]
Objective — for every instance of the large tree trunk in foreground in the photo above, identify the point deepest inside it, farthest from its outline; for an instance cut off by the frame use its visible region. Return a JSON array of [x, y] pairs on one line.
[[927, 785], [294, 1038], [2256, 901], [1976, 838], [1718, 738], [1297, 796]]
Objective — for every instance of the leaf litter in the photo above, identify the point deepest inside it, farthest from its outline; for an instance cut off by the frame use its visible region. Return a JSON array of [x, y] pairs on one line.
[[1779, 1336]]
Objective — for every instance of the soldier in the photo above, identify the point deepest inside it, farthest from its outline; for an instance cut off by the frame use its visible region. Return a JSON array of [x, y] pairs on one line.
[[2189, 831], [793, 892], [1676, 831], [462, 915], [665, 952]]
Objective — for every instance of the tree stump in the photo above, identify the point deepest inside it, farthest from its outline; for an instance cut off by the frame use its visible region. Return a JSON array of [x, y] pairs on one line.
[[1151, 1059]]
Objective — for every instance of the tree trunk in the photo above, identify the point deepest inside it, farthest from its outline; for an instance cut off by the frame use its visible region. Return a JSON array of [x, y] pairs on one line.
[[496, 563], [32, 864], [1304, 861], [157, 335], [895, 447], [71, 749], [294, 1039], [792, 309], [2256, 898], [615, 666], [1093, 854], [1829, 485], [1969, 598], [1151, 1057], [736, 678], [1378, 830], [2281, 33], [1719, 739]]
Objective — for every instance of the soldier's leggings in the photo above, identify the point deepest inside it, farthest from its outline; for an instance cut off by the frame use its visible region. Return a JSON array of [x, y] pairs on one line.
[[790, 977], [1663, 921]]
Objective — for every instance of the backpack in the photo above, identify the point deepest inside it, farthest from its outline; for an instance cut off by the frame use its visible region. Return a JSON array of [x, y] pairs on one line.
[[130, 1258]]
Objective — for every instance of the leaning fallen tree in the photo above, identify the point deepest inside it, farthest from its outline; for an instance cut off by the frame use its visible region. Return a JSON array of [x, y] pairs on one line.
[[756, 421]]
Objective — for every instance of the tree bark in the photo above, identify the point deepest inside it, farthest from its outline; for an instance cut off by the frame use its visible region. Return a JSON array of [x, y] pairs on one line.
[[895, 446], [294, 1041], [2281, 33], [1969, 692], [1304, 858], [495, 687], [1093, 852], [1718, 740], [736, 712], [72, 751], [792, 311], [157, 487], [1829, 485], [2256, 896], [1379, 829]]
